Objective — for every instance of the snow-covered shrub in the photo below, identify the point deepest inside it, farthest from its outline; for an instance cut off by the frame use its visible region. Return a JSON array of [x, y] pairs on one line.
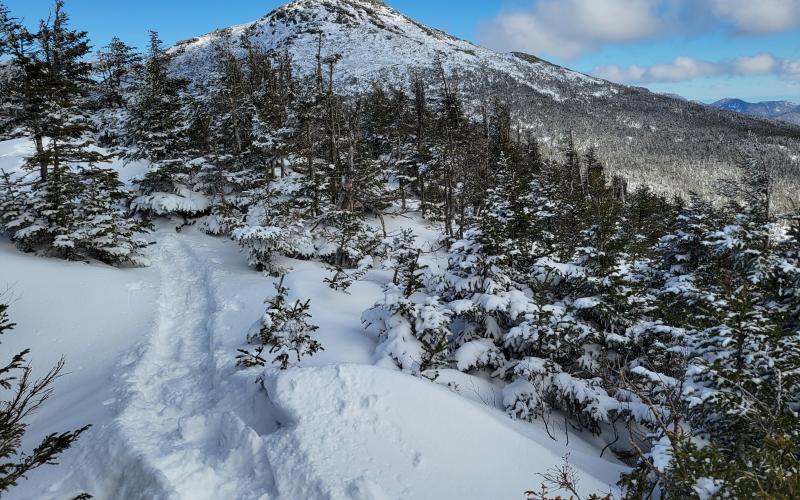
[[342, 279], [275, 226], [85, 221], [479, 290], [103, 231], [224, 219], [478, 354], [414, 329], [345, 239], [541, 385], [181, 201], [284, 330], [391, 319], [402, 256]]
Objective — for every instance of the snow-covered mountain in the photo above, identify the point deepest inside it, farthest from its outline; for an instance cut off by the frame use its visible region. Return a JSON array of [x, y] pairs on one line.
[[777, 110], [377, 43], [438, 371], [653, 138]]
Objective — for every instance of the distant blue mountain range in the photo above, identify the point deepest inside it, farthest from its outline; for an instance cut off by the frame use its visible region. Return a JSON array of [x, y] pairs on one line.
[[777, 110]]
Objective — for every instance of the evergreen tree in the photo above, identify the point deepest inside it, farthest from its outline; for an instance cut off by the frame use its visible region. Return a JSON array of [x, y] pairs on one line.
[[116, 64], [346, 240], [308, 110], [104, 231], [229, 129], [413, 327], [480, 290], [15, 205], [275, 225], [158, 130], [285, 330], [744, 333], [65, 79], [726, 277], [23, 90], [7, 26], [27, 396], [50, 215]]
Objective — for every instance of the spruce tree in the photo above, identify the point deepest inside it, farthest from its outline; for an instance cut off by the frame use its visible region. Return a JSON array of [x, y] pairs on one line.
[[7, 26], [50, 215], [27, 396], [728, 283], [284, 330], [307, 113], [413, 326], [158, 130], [116, 63], [23, 92], [105, 232], [230, 126]]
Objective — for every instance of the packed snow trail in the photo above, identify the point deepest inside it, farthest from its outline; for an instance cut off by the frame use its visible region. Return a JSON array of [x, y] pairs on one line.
[[173, 419]]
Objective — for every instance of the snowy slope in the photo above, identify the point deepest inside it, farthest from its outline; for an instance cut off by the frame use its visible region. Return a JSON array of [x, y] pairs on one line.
[[377, 43], [404, 438], [151, 364], [91, 315], [13, 153]]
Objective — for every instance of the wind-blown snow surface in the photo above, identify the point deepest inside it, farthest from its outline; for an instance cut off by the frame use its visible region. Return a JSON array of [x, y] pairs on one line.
[[151, 364]]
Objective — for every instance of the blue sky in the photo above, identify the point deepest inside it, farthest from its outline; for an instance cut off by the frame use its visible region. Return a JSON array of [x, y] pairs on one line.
[[701, 49]]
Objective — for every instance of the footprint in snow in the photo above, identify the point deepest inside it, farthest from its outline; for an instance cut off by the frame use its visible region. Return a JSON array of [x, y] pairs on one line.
[[134, 286]]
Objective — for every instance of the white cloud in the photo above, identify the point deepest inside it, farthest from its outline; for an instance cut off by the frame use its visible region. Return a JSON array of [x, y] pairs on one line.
[[631, 74], [681, 69], [524, 32], [602, 20], [790, 69], [569, 28], [761, 64], [758, 17], [688, 68]]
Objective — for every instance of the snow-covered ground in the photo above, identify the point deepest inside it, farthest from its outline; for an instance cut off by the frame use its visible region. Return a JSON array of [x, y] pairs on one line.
[[151, 364]]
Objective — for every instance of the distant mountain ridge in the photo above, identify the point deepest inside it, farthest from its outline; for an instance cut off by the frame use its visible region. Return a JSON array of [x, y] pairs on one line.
[[776, 110]]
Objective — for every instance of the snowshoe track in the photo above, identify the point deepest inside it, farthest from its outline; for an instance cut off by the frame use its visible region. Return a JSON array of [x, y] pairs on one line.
[[173, 420]]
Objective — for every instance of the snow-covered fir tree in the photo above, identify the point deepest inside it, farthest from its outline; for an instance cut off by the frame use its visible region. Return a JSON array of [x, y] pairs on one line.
[[67, 206], [413, 326], [284, 331], [730, 416], [116, 63], [158, 132], [275, 225]]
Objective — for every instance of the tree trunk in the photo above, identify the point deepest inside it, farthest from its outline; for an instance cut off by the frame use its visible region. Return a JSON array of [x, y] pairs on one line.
[[40, 155], [347, 180]]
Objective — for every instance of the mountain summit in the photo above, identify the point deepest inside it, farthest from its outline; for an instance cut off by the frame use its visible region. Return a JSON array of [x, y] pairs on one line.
[[377, 43], [638, 132]]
